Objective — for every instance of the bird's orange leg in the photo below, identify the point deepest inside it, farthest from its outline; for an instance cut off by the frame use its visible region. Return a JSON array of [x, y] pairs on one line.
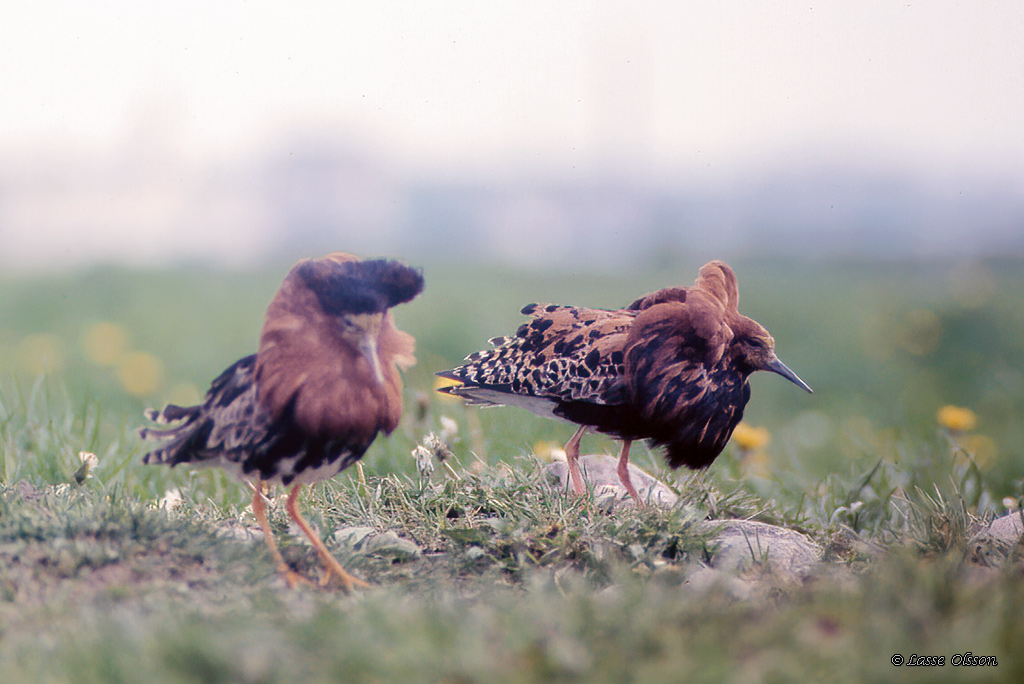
[[572, 457], [259, 508], [331, 564], [623, 471]]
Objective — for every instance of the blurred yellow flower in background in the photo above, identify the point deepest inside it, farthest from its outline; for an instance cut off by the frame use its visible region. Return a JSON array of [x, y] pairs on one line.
[[548, 451], [140, 373], [751, 442], [40, 353], [747, 437], [957, 418], [104, 343], [981, 449]]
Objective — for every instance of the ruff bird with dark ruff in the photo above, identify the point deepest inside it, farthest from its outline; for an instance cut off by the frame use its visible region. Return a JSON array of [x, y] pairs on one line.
[[323, 383]]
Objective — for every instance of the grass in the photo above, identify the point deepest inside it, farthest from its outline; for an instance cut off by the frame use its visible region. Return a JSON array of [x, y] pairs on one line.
[[481, 570], [490, 574]]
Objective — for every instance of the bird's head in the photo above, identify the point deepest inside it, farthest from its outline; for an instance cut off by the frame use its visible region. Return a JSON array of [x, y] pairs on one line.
[[755, 350], [358, 294], [344, 285]]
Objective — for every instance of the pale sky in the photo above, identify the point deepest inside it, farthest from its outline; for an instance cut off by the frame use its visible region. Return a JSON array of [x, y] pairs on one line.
[[561, 84], [137, 132]]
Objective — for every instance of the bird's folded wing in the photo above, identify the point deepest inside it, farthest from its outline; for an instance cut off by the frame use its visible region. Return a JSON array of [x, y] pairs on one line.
[[563, 354], [225, 422]]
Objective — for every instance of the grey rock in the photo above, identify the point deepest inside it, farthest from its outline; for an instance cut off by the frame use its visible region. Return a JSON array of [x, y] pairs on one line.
[[600, 472], [745, 546], [234, 529], [1008, 528], [390, 545], [353, 536], [992, 544], [386, 544]]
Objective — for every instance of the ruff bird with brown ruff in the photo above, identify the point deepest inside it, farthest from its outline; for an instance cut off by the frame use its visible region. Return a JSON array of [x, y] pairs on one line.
[[671, 367]]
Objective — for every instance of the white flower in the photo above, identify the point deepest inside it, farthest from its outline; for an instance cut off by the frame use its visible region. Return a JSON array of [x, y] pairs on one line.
[[449, 429], [88, 461], [424, 461], [170, 500]]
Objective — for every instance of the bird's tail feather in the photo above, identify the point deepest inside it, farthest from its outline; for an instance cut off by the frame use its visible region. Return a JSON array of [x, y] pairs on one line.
[[176, 437], [171, 413]]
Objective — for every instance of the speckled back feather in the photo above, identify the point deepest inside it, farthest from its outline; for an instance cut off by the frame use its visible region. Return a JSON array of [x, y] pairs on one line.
[[564, 354]]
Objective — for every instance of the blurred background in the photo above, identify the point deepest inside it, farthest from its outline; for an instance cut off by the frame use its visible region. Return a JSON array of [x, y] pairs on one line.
[[861, 166], [527, 133]]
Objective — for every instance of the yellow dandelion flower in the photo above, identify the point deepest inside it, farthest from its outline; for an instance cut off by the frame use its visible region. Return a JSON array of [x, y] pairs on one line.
[[748, 438], [104, 343], [446, 382], [40, 354], [957, 418], [140, 373]]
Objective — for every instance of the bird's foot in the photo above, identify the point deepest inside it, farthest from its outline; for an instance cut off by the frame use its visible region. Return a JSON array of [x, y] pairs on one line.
[[632, 493], [334, 571], [294, 579]]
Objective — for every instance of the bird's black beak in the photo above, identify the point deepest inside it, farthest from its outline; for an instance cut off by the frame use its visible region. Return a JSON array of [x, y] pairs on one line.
[[776, 366]]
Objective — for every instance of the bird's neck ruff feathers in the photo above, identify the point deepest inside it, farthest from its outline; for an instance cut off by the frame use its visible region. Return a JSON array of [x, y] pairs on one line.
[[718, 280], [305, 366]]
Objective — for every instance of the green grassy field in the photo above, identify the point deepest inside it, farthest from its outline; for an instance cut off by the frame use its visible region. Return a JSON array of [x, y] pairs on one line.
[[490, 575]]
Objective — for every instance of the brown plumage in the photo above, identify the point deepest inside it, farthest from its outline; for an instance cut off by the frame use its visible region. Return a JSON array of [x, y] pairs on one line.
[[307, 405], [671, 367]]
